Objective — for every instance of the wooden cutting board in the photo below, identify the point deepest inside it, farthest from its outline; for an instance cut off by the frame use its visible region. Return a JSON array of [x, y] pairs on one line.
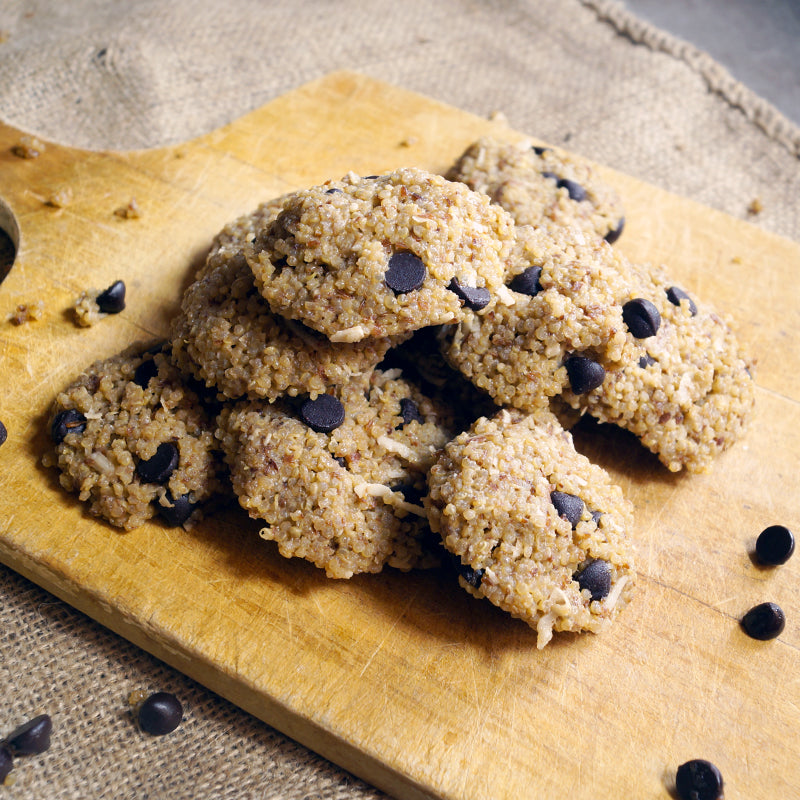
[[406, 681]]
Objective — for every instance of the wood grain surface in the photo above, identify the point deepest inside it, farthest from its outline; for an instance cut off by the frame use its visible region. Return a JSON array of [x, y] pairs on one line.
[[401, 678]]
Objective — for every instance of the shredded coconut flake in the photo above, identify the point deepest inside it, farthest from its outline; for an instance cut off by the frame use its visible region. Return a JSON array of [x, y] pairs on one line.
[[349, 335]]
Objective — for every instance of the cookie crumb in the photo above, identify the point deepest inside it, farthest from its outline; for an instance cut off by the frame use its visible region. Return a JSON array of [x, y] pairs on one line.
[[60, 198], [136, 697], [27, 312], [498, 116], [129, 211], [28, 147], [409, 142], [755, 207]]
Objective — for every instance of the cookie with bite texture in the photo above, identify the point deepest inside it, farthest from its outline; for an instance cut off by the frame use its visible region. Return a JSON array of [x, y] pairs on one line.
[[533, 526], [380, 256]]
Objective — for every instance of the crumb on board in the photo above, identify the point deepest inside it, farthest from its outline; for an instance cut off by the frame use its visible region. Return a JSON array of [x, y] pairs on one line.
[[27, 312], [409, 141], [755, 207], [498, 116], [87, 311], [60, 198], [129, 211], [28, 147], [4, 35]]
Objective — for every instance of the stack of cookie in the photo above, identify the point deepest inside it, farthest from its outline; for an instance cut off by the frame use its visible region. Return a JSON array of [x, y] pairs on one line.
[[380, 366]]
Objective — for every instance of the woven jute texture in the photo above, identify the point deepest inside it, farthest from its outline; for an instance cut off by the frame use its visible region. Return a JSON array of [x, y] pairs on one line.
[[582, 74]]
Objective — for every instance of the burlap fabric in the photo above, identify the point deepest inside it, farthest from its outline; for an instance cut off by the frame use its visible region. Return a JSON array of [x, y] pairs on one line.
[[584, 75]]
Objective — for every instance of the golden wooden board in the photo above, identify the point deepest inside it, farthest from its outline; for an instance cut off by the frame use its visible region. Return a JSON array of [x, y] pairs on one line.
[[408, 682]]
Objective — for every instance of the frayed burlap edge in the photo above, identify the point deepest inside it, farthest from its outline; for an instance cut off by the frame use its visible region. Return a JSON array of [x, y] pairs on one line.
[[755, 108]]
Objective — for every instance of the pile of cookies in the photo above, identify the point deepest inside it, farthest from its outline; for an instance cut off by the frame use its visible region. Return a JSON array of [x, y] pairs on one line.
[[383, 371]]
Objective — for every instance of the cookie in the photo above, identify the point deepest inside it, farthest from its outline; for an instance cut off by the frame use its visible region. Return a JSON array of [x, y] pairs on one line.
[[540, 184], [226, 336], [535, 528], [683, 384], [563, 289], [380, 256], [338, 480], [134, 441]]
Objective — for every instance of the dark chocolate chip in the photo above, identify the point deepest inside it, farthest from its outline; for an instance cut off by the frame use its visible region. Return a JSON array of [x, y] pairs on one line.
[[112, 300], [764, 621], [596, 517], [615, 233], [371, 177], [6, 762], [584, 374], [698, 780], [675, 295], [3, 433], [567, 505], [472, 576], [144, 372], [410, 493], [179, 511], [68, 421], [409, 411], [551, 175], [323, 415], [775, 545], [596, 577], [527, 282], [160, 714], [405, 272], [334, 190], [646, 360], [30, 738], [641, 317], [575, 190], [474, 297], [160, 466], [341, 461], [540, 151]]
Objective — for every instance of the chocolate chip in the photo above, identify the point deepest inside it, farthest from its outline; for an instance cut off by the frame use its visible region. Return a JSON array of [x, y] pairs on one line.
[[698, 780], [112, 300], [646, 360], [30, 738], [474, 297], [575, 190], [323, 415], [540, 151], [584, 374], [144, 372], [472, 576], [567, 505], [675, 295], [527, 282], [334, 190], [179, 511], [775, 545], [409, 411], [641, 317], [341, 461], [68, 421], [160, 714], [410, 493], [596, 517], [3, 433], [6, 763], [615, 233], [764, 621], [596, 577], [405, 272], [551, 176], [160, 466]]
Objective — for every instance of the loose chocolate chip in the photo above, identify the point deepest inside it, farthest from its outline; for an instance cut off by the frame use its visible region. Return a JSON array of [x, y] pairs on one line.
[[6, 763], [30, 738], [596, 577], [567, 505], [764, 621], [575, 190], [405, 272], [675, 295], [180, 510], [69, 421], [641, 317], [3, 433], [112, 300], [160, 714], [409, 411], [584, 374], [615, 233], [646, 360], [527, 282], [144, 372], [323, 415], [160, 466], [698, 780], [775, 545], [474, 297], [540, 151]]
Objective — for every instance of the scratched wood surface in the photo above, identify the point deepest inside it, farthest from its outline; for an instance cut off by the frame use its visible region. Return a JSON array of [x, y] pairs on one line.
[[402, 679]]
